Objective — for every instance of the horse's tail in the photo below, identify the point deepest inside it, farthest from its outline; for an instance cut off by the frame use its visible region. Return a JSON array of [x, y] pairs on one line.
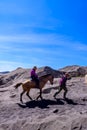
[[17, 85]]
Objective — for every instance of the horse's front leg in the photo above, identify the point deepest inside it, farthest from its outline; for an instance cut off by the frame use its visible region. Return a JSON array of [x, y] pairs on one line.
[[40, 95]]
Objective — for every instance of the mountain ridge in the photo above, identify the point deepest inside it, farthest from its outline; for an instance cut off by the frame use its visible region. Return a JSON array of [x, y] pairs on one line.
[[22, 74]]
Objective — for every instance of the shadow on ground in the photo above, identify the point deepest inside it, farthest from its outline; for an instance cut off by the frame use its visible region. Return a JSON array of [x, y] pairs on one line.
[[48, 90], [70, 101], [46, 102]]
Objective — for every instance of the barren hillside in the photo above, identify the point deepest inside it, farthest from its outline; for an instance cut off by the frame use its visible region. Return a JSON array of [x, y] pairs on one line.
[[46, 114]]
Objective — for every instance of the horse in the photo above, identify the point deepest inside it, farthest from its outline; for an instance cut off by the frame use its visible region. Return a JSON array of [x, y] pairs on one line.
[[26, 86]]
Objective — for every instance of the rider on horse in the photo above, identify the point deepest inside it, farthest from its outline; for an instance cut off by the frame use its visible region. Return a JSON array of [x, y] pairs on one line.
[[34, 76]]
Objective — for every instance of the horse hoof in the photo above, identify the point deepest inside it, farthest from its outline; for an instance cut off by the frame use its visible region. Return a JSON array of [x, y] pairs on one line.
[[21, 101], [31, 99], [41, 99], [36, 99], [65, 98], [54, 96]]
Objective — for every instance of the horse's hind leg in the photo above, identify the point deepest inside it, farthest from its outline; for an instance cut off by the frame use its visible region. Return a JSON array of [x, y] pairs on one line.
[[21, 96], [37, 97], [28, 95]]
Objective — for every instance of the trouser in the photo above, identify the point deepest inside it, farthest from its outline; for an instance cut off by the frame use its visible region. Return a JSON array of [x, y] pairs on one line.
[[36, 80], [62, 87]]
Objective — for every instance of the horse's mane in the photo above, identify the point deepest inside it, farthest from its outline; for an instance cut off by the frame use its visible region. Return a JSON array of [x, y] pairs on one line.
[[44, 76]]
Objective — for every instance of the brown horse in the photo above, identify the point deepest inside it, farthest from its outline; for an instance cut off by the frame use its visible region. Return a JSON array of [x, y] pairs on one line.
[[31, 84]]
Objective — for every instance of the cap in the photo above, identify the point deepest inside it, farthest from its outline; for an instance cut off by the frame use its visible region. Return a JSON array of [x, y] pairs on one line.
[[35, 67]]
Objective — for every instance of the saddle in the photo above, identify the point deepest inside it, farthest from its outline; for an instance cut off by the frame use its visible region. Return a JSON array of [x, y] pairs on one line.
[[36, 84]]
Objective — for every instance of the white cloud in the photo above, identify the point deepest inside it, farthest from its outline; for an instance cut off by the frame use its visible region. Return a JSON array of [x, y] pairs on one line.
[[81, 47], [38, 42], [36, 38], [12, 65], [38, 49], [8, 65]]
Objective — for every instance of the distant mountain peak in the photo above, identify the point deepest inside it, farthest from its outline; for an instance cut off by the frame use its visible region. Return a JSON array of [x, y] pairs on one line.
[[5, 72]]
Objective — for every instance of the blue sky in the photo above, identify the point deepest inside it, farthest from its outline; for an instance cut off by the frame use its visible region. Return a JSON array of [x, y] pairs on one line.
[[42, 33]]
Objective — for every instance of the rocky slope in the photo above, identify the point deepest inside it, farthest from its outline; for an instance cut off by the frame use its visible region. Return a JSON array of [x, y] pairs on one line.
[[75, 70], [50, 113]]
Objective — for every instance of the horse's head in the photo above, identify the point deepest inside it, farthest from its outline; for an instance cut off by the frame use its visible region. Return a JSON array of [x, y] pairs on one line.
[[68, 76], [48, 77], [51, 78]]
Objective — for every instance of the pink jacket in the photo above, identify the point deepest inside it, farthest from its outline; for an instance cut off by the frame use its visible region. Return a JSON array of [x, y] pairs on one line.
[[33, 73]]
